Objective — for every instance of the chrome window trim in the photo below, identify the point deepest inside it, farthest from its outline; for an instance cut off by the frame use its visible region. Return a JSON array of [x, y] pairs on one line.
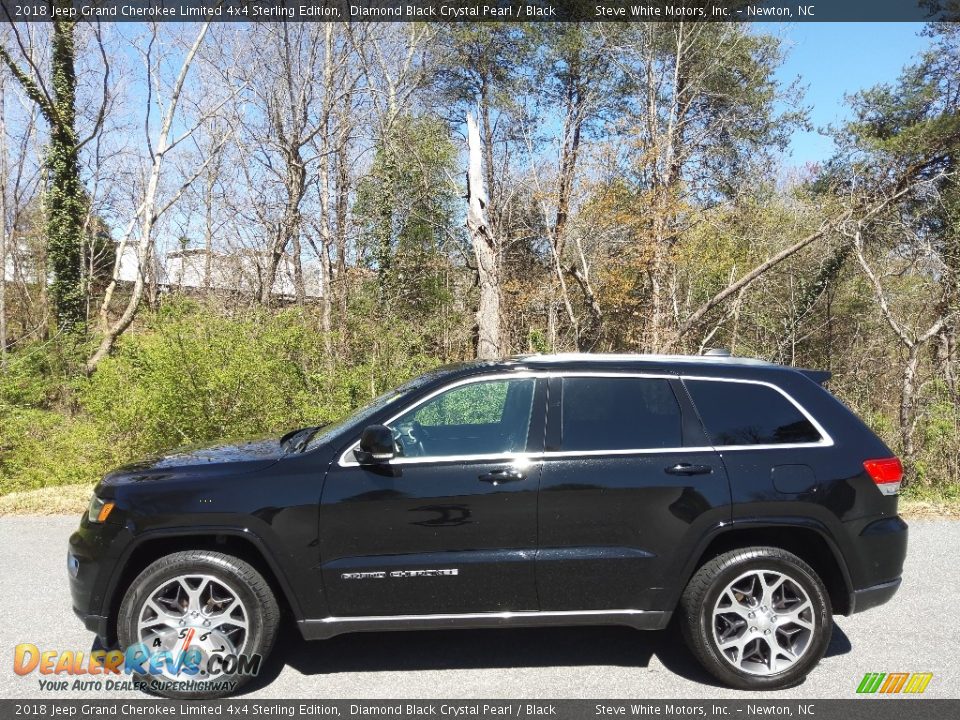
[[529, 458], [625, 451]]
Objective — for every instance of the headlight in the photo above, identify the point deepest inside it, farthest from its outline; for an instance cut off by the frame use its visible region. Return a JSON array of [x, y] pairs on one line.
[[99, 509]]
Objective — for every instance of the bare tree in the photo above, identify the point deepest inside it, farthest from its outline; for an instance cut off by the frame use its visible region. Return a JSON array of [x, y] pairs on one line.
[[389, 56], [333, 144], [55, 94], [289, 92], [152, 206], [486, 250], [3, 222], [20, 175], [913, 339], [577, 80]]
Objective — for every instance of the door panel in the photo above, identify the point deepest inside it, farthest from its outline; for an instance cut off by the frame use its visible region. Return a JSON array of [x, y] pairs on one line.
[[426, 536], [477, 538], [613, 528], [629, 483]]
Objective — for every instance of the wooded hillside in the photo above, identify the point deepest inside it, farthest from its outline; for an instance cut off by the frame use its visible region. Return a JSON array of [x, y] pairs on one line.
[[627, 191]]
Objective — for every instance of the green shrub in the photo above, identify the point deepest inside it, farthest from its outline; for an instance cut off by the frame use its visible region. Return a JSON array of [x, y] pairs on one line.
[[188, 375], [41, 448], [194, 378]]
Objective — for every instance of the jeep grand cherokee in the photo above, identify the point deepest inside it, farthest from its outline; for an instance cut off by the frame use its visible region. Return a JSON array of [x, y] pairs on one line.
[[737, 495]]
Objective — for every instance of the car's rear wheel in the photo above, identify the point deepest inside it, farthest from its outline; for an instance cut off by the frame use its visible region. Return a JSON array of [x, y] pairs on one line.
[[199, 618], [758, 618]]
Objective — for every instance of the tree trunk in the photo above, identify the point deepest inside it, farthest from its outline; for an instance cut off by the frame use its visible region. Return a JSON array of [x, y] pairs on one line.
[[569, 153], [64, 200], [326, 302], [946, 358], [907, 396], [299, 291], [486, 250], [274, 257], [144, 256], [343, 218], [208, 233]]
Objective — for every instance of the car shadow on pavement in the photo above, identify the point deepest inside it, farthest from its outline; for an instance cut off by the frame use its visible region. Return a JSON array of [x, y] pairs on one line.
[[493, 648]]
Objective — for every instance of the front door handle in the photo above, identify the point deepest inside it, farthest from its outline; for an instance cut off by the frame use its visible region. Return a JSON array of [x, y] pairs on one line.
[[688, 469], [498, 477]]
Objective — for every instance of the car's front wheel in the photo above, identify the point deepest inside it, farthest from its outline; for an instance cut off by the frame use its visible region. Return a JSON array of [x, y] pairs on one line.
[[757, 618], [199, 620]]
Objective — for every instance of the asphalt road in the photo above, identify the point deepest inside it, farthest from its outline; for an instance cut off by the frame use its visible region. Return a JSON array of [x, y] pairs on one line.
[[919, 631]]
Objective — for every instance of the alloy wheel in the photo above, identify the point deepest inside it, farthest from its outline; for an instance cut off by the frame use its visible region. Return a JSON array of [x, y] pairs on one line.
[[193, 612], [763, 622]]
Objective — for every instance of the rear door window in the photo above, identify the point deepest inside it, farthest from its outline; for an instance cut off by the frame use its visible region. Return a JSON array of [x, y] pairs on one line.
[[738, 413], [619, 413]]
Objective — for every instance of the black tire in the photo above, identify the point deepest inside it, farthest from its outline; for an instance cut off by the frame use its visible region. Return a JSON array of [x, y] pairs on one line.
[[263, 613], [710, 581]]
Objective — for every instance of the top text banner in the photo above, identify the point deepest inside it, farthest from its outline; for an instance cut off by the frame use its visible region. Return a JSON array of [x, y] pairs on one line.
[[482, 10]]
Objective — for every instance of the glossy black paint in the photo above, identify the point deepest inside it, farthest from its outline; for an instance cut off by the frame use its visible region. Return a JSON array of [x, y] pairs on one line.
[[437, 516], [555, 539]]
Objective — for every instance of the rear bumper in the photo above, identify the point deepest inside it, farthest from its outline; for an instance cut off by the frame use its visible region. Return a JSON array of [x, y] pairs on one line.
[[873, 596], [881, 550]]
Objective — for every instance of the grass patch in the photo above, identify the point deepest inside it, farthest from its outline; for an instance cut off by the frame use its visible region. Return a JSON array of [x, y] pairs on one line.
[[63, 500], [921, 501], [930, 509]]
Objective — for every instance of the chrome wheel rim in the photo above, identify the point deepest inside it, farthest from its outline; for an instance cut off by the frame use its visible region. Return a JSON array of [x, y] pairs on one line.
[[763, 622], [194, 612]]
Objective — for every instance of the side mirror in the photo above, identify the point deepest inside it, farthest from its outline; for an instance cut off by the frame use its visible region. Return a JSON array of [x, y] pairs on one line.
[[376, 445]]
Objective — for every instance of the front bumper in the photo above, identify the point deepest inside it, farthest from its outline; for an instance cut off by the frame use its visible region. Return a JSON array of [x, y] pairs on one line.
[[91, 559], [97, 624]]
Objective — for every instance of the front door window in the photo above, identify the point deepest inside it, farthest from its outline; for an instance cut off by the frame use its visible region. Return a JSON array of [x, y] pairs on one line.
[[480, 418]]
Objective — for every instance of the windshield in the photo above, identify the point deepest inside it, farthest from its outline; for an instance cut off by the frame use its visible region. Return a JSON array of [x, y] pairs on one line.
[[381, 402]]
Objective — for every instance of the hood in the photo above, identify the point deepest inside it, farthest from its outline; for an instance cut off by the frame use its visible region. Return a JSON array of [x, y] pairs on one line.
[[229, 457]]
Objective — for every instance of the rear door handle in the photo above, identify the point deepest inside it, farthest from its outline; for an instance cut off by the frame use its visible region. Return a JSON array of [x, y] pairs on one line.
[[498, 477], [688, 469]]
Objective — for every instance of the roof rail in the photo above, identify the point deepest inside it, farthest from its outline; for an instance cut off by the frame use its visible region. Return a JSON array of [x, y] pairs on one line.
[[639, 357]]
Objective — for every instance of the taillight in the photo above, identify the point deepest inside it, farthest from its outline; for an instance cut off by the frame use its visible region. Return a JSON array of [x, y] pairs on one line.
[[886, 473]]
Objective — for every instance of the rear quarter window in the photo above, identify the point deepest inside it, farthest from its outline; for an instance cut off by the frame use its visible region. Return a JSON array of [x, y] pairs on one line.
[[738, 413]]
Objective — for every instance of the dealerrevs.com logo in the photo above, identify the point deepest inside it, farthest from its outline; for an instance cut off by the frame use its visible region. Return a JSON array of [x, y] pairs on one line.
[[186, 669], [894, 683]]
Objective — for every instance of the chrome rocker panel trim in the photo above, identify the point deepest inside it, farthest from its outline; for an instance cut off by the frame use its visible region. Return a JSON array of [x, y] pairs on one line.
[[323, 628]]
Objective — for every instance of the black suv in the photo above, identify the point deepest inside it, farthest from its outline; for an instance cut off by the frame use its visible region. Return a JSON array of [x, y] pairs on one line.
[[739, 495]]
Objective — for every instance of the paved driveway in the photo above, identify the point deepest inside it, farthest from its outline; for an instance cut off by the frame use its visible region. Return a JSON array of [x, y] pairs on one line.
[[918, 631]]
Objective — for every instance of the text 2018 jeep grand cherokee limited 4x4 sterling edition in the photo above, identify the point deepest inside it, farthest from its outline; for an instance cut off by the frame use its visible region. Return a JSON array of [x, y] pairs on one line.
[[546, 490]]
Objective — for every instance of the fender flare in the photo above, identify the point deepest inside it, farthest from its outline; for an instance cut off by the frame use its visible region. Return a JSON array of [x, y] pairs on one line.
[[205, 531], [761, 523]]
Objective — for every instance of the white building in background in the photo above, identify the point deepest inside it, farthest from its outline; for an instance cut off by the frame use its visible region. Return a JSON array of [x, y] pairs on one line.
[[185, 270], [9, 271], [28, 271], [234, 272], [130, 265]]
